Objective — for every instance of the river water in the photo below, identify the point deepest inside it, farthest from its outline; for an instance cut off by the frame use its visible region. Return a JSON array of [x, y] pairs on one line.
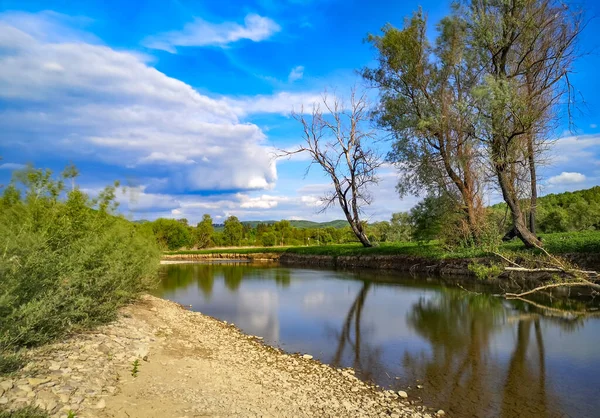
[[470, 354]]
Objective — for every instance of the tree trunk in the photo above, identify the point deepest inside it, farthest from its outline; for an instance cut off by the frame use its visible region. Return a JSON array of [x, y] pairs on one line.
[[518, 218], [532, 173]]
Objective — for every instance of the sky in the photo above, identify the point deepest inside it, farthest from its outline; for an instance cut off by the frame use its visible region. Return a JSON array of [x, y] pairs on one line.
[[186, 102]]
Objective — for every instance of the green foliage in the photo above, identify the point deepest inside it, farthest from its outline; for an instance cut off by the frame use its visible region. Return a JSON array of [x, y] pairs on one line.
[[233, 232], [135, 368], [269, 239], [401, 228], [429, 217], [67, 261], [486, 272], [171, 234], [564, 212], [10, 363], [204, 231]]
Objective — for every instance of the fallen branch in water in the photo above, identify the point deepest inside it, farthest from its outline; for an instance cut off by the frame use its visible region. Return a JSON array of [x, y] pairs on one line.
[[572, 276], [555, 311]]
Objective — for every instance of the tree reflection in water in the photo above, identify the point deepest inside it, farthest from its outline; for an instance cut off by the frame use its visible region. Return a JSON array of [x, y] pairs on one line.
[[361, 355], [461, 373], [179, 276]]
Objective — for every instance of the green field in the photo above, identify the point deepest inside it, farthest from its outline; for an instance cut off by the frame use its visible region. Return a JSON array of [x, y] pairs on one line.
[[556, 243]]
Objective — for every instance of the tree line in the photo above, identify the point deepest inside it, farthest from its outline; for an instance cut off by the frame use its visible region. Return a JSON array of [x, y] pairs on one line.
[[427, 221], [174, 234]]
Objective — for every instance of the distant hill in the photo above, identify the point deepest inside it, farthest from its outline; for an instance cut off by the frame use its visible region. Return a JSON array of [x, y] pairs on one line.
[[339, 223], [563, 200]]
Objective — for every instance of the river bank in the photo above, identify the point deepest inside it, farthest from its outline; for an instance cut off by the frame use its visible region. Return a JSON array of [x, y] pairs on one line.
[[161, 360], [401, 263]]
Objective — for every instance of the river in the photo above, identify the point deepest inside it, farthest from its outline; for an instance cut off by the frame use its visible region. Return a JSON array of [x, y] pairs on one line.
[[470, 354]]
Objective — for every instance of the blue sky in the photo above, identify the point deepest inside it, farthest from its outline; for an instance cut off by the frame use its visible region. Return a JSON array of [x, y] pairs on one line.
[[185, 101]]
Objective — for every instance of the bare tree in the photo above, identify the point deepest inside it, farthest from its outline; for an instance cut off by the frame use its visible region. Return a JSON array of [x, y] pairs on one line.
[[338, 139]]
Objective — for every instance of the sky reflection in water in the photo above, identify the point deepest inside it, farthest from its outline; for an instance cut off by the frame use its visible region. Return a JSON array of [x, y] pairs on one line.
[[474, 354]]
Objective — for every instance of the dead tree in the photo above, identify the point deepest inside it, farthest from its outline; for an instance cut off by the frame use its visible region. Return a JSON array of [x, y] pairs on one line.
[[338, 140]]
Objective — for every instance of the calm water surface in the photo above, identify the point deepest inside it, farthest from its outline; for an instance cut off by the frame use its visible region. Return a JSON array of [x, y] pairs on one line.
[[474, 354]]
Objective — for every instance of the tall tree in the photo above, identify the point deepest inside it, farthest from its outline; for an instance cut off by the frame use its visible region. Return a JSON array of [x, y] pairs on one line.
[[233, 232], [427, 106], [526, 49], [337, 139], [204, 232]]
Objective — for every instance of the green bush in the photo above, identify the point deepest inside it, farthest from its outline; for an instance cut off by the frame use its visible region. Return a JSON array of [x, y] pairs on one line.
[[10, 363], [67, 262]]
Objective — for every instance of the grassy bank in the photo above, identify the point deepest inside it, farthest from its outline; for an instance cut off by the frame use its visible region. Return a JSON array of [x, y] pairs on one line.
[[557, 243]]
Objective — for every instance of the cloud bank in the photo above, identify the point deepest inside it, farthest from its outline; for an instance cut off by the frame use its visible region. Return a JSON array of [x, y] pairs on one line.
[[75, 98]]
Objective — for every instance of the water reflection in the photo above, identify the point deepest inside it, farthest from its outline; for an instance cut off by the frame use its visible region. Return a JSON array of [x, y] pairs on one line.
[[474, 354]]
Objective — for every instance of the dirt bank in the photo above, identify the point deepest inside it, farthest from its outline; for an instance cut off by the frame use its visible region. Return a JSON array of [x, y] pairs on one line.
[[189, 365], [455, 267]]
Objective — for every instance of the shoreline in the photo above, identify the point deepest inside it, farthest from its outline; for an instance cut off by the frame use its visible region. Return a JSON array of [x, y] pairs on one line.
[[188, 364], [400, 263]]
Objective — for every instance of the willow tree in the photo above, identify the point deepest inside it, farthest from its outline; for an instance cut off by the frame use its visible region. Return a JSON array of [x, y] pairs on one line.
[[426, 104], [338, 139], [526, 49]]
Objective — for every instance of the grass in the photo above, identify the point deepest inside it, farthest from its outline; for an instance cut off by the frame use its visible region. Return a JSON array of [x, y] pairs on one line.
[[10, 363], [557, 243]]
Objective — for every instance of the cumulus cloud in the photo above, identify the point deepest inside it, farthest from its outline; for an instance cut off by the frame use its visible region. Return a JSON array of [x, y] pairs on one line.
[[202, 33], [567, 178], [78, 98], [296, 74]]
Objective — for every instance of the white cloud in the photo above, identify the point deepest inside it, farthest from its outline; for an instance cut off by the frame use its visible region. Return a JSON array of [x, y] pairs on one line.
[[593, 126], [296, 74], [282, 103], [260, 202], [80, 98], [567, 178], [12, 166], [202, 33]]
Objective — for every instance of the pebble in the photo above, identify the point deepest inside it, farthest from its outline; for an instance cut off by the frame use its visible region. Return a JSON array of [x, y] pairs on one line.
[[402, 394], [35, 382], [82, 374], [440, 413]]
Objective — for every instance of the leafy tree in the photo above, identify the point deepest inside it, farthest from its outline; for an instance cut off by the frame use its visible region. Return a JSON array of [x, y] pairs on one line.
[[401, 227], [171, 234], [427, 107], [233, 232], [269, 239], [584, 215], [526, 49], [429, 217], [204, 232]]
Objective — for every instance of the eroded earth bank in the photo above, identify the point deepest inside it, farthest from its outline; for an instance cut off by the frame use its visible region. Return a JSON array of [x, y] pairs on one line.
[[188, 365]]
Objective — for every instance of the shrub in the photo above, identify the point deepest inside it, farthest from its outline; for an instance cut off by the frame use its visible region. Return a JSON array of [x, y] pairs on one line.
[[67, 262], [10, 363]]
